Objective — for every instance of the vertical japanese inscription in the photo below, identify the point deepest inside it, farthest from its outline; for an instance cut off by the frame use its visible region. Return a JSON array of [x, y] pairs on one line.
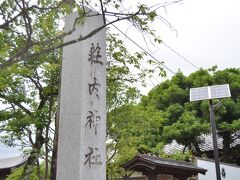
[[94, 54], [93, 120], [92, 157], [93, 87]]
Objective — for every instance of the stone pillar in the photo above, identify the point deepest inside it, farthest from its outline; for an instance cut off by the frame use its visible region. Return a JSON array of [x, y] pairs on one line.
[[82, 124]]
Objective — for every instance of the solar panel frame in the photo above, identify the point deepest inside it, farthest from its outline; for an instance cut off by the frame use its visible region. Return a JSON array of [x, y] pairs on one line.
[[220, 91], [210, 92], [199, 93]]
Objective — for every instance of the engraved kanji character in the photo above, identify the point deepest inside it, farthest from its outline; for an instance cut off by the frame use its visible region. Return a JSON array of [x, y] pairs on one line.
[[94, 54], [93, 87]]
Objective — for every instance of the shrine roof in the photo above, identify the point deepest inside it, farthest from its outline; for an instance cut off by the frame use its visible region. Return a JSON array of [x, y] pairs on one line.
[[145, 163], [206, 145], [8, 163]]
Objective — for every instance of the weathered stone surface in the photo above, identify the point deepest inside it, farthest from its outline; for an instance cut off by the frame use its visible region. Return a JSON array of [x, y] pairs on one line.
[[82, 126]]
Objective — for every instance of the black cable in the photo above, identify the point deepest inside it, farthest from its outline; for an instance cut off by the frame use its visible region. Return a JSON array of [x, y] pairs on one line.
[[166, 67], [180, 55]]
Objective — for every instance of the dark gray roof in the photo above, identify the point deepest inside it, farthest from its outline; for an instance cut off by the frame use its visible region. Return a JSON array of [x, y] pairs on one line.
[[161, 165], [207, 144], [170, 162], [8, 163]]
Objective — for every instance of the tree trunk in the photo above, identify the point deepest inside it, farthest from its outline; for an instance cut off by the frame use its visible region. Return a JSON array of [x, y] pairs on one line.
[[226, 146], [33, 158], [38, 170], [54, 153], [198, 151]]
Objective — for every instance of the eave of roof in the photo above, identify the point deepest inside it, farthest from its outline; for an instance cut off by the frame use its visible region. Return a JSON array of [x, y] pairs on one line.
[[206, 145], [8, 163], [161, 165]]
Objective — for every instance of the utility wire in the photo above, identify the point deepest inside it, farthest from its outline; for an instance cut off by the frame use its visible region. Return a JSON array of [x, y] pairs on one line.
[[180, 55], [145, 69], [152, 76], [166, 67]]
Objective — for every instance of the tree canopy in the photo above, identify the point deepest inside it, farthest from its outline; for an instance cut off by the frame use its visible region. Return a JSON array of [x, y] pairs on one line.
[[187, 121], [166, 114]]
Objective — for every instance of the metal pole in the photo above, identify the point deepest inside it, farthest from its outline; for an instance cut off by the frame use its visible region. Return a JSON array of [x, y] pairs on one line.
[[214, 137]]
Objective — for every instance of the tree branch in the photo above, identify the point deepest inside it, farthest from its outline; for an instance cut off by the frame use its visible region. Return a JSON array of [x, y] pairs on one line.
[[15, 59], [5, 25], [17, 104], [103, 12], [114, 152]]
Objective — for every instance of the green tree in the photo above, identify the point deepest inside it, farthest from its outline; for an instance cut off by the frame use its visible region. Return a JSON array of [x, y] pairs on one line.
[[187, 121], [29, 93], [36, 174], [132, 130]]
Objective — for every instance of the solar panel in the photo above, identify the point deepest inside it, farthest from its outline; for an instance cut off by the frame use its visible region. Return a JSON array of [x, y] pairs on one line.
[[220, 91], [209, 92], [200, 93]]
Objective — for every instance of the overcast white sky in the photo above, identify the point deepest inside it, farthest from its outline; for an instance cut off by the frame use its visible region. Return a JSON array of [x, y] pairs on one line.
[[6, 152], [208, 35]]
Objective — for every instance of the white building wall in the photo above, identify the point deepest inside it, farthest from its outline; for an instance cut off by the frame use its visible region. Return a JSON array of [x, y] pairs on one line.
[[232, 172]]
